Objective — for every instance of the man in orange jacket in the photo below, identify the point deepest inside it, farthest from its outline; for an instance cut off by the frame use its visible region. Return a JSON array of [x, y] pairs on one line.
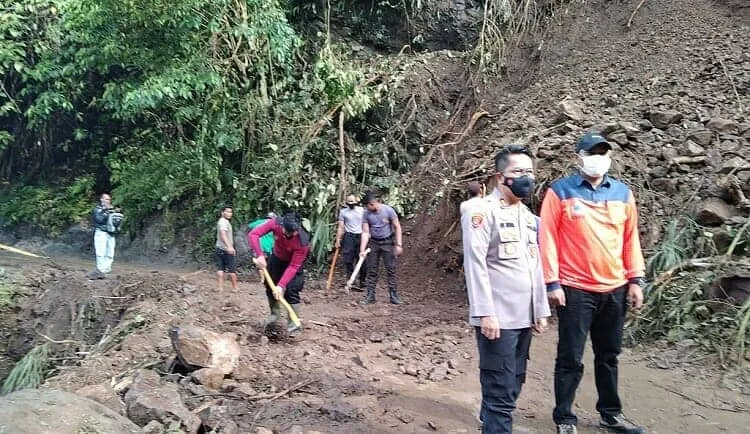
[[593, 266]]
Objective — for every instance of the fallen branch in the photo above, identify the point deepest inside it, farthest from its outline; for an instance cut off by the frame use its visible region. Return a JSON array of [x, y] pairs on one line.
[[630, 21], [110, 297], [474, 118], [202, 407], [731, 82], [737, 239], [131, 285], [666, 275], [322, 324], [66, 341], [184, 276], [688, 160], [696, 401]]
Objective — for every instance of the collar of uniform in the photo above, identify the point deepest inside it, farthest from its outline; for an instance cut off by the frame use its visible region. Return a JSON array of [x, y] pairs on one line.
[[582, 182]]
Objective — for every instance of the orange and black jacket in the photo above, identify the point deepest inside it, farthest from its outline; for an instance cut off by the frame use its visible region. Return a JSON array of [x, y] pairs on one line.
[[589, 236]]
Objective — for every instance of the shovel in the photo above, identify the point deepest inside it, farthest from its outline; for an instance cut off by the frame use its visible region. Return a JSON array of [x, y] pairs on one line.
[[355, 273], [333, 267], [275, 289]]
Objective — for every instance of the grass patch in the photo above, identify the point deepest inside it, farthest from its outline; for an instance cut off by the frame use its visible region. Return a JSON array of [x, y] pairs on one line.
[[30, 371]]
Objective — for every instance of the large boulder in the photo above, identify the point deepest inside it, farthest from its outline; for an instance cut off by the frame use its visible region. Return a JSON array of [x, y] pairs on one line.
[[151, 399], [714, 212], [663, 119], [103, 394], [50, 411], [725, 126], [569, 111], [197, 348]]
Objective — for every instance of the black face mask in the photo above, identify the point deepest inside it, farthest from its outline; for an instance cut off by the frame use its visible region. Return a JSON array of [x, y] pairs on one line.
[[351, 205], [521, 187]]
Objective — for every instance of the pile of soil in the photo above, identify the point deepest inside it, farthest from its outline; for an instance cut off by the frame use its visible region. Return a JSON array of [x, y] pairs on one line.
[[671, 92]]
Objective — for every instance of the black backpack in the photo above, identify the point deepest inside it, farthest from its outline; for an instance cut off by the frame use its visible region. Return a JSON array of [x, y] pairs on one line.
[[114, 221]]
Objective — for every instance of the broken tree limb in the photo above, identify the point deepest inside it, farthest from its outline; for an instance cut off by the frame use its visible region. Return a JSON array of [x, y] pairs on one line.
[[697, 401], [688, 160], [635, 11]]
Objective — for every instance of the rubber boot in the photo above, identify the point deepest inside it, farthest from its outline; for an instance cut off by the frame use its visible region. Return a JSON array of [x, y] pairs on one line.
[[394, 297], [291, 328], [369, 298], [273, 317]]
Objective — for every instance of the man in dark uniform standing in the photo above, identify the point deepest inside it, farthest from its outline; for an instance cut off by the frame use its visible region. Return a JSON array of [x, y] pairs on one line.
[[381, 232], [285, 264]]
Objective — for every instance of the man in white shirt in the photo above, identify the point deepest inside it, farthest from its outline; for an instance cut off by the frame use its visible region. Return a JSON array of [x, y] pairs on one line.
[[348, 236]]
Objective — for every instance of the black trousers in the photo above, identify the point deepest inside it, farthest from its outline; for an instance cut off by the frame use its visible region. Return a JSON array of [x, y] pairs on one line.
[[276, 268], [350, 254], [381, 249], [502, 373], [602, 315]]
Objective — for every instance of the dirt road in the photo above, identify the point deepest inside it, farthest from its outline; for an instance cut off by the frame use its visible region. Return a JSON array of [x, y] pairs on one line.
[[387, 369]]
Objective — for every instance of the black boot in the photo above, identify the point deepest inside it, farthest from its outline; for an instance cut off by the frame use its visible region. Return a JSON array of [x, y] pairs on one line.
[[394, 297], [369, 298]]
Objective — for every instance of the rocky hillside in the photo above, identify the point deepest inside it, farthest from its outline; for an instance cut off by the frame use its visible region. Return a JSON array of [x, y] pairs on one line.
[[672, 91]]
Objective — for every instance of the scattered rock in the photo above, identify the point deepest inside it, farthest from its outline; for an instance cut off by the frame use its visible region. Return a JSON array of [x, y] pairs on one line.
[[702, 137], [714, 212], [104, 394], [197, 347], [606, 129], [339, 411], [209, 377], [438, 373], [725, 126], [377, 337], [663, 119], [631, 131], [693, 149], [619, 138], [218, 419], [261, 430], [411, 370], [148, 399], [154, 427], [733, 164], [569, 111], [50, 411], [362, 361], [645, 125]]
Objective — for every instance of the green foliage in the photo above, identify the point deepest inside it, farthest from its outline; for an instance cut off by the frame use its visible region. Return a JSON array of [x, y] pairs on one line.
[[678, 310], [50, 208], [683, 239], [190, 104], [676, 307], [29, 372]]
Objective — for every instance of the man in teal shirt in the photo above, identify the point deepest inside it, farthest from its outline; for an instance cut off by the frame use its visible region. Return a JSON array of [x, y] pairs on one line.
[[266, 241]]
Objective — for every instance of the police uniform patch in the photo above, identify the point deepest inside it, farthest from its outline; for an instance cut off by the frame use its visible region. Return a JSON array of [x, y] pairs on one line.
[[510, 248], [477, 220]]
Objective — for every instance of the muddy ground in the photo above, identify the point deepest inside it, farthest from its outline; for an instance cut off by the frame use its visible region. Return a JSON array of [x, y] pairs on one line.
[[373, 369]]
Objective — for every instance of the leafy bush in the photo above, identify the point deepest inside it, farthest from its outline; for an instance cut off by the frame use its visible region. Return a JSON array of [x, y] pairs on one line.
[[50, 208]]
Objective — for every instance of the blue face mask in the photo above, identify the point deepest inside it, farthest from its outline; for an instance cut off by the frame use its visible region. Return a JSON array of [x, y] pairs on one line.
[[521, 187]]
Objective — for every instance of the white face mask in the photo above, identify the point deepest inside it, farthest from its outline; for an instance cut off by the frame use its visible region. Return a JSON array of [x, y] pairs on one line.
[[595, 166]]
